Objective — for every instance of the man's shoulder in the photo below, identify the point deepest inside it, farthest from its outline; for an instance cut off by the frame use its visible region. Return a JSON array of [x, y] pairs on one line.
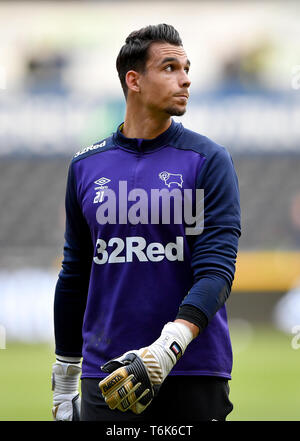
[[191, 140], [98, 147]]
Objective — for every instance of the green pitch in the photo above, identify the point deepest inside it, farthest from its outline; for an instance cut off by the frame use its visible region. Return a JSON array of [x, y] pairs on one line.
[[265, 384], [265, 379], [25, 382]]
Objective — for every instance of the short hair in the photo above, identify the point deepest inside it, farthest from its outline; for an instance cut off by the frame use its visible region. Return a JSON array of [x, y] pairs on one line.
[[133, 54]]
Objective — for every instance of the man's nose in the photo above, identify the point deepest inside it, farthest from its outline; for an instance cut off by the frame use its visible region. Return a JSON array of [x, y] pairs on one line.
[[184, 80]]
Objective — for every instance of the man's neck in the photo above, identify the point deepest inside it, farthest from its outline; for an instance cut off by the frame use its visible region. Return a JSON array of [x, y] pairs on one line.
[[145, 126]]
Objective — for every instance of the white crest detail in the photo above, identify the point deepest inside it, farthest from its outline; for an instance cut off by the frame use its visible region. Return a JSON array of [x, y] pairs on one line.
[[171, 178]]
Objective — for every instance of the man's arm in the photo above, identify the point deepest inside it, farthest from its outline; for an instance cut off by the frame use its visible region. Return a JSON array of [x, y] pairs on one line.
[[214, 251], [69, 306], [73, 281]]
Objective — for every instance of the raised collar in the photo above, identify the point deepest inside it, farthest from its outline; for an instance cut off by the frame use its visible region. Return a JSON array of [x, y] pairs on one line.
[[148, 145]]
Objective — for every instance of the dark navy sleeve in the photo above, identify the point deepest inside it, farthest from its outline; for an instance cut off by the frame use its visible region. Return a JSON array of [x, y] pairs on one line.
[[73, 281], [214, 251]]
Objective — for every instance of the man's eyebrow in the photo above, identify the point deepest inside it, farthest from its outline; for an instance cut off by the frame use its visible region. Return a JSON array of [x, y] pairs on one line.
[[172, 59]]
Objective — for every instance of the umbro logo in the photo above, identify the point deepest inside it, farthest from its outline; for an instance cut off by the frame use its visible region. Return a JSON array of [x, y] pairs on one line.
[[102, 181], [100, 189]]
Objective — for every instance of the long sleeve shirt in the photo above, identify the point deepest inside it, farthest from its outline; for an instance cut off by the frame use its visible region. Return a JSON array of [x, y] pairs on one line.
[[152, 230]]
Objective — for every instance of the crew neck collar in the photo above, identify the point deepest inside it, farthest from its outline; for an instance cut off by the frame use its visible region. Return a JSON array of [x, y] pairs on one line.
[[146, 145]]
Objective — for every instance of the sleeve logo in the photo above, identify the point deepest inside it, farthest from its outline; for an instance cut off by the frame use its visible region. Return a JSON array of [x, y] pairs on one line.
[[90, 147]]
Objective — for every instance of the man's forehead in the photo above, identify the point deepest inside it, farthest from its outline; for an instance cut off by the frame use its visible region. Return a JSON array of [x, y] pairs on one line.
[[159, 51]]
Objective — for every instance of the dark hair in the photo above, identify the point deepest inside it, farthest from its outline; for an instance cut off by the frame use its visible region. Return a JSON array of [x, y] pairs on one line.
[[134, 54]]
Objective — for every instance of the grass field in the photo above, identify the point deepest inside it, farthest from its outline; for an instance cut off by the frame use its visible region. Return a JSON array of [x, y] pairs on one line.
[[265, 385], [265, 382]]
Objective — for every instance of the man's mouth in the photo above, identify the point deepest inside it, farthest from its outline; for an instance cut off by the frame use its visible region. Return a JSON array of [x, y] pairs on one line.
[[182, 95]]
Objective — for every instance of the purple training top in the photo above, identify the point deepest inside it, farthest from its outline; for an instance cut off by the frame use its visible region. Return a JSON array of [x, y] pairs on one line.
[[129, 265]]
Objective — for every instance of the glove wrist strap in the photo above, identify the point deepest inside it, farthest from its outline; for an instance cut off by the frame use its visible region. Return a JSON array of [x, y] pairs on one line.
[[167, 350], [174, 339]]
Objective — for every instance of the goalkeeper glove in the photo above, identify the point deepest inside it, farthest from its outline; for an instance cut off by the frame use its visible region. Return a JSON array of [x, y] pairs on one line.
[[66, 399], [137, 375]]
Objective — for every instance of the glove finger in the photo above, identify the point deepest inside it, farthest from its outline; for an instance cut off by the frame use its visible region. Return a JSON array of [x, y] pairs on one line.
[[122, 394], [54, 412], [127, 395], [128, 387], [132, 400], [76, 408], [111, 366], [114, 399], [145, 393], [116, 363], [119, 393], [64, 411], [138, 408], [113, 381]]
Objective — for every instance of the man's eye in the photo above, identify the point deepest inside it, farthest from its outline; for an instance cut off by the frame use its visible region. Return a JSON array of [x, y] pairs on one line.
[[187, 70], [169, 68]]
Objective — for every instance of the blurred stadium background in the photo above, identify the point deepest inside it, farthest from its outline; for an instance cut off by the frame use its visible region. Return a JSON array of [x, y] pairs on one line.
[[59, 92]]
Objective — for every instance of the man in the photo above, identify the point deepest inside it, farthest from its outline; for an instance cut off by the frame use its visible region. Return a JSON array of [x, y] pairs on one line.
[[141, 294]]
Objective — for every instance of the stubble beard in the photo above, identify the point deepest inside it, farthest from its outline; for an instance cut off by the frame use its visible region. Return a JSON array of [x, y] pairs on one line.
[[174, 111]]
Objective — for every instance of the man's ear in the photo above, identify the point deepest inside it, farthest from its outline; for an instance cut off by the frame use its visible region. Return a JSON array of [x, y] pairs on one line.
[[132, 80]]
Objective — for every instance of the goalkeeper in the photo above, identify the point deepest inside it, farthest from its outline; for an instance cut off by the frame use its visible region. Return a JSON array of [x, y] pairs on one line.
[[139, 308]]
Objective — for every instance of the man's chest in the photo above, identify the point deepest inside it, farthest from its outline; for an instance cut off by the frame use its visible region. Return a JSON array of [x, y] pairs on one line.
[[120, 188]]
